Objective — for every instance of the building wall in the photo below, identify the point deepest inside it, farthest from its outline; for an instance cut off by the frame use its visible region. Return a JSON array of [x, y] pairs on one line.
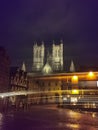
[[45, 91], [54, 57], [35, 89], [4, 70], [57, 57], [38, 57], [56, 88], [18, 83]]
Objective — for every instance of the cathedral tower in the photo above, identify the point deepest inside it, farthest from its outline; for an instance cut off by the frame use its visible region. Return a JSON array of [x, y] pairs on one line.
[[72, 67], [57, 56], [38, 57]]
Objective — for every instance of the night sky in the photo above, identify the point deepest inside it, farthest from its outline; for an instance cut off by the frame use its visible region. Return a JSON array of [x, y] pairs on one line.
[[75, 21]]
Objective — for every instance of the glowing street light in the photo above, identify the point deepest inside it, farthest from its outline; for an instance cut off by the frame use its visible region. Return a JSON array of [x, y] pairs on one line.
[[75, 79], [91, 75]]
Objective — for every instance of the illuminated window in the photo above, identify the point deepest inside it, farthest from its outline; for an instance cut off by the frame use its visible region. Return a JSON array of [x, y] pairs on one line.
[[74, 91], [74, 99]]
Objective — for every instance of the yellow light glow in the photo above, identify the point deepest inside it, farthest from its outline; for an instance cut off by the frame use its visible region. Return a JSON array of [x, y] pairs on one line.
[[75, 91], [90, 74], [75, 79], [73, 126]]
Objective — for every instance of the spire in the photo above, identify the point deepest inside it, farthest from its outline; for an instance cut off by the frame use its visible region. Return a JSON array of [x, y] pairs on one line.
[[72, 67], [23, 67]]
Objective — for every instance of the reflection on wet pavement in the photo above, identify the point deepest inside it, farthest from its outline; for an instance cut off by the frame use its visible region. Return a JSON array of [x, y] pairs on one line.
[[48, 118]]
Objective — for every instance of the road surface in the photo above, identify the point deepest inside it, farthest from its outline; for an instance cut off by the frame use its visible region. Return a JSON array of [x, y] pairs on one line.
[[48, 118]]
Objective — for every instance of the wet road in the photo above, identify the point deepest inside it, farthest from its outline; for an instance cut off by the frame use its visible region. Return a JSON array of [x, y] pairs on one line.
[[48, 118]]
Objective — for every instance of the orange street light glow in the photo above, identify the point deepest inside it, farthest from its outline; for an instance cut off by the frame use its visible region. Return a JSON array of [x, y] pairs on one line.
[[90, 74], [75, 79]]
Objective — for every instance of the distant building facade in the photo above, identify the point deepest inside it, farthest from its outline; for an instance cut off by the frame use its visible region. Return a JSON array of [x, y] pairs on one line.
[[57, 57], [4, 70], [38, 57], [79, 88], [53, 57], [18, 82]]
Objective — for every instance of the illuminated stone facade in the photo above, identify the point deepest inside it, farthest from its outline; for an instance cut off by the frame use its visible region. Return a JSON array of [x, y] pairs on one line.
[[57, 57], [52, 58], [38, 57]]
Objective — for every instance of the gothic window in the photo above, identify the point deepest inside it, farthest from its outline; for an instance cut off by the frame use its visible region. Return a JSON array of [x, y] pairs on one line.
[[36, 55], [58, 53]]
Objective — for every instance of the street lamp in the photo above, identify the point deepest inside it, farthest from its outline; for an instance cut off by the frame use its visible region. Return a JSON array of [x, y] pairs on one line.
[[75, 79], [91, 75]]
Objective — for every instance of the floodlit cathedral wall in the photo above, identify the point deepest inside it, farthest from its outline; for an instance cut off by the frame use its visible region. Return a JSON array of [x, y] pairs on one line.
[[38, 57], [57, 57]]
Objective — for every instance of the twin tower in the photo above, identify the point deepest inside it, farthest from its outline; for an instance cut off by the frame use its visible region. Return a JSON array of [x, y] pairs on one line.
[[48, 60]]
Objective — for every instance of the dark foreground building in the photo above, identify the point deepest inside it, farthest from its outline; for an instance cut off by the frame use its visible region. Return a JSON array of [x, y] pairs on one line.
[[4, 76], [18, 83], [4, 70]]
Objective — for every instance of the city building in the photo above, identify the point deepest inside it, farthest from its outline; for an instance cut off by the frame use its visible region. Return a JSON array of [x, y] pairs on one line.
[[18, 83], [74, 89], [38, 57], [50, 85], [4, 70], [4, 76]]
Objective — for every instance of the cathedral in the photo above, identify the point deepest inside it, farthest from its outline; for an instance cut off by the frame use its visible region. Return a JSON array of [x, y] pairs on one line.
[[47, 61]]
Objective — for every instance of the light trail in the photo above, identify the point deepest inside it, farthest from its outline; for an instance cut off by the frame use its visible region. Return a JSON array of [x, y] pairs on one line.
[[8, 94], [68, 92]]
